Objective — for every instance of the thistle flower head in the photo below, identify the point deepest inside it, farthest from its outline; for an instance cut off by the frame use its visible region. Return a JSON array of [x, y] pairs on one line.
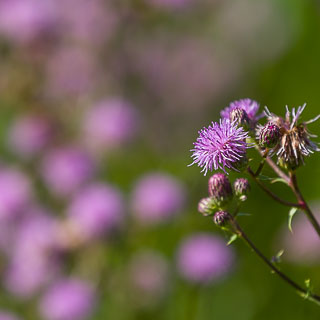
[[222, 145], [250, 107], [295, 143], [269, 135]]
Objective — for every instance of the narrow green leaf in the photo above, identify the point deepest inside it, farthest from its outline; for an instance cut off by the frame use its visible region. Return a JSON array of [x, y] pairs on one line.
[[233, 238], [243, 214], [277, 258], [262, 177], [292, 212], [278, 180]]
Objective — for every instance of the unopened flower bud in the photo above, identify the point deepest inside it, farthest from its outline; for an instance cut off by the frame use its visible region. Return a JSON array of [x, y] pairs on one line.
[[241, 188], [221, 218], [269, 135], [220, 189], [207, 206], [239, 116]]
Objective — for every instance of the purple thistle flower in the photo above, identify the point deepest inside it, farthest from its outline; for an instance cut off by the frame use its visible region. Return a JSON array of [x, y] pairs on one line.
[[15, 192], [251, 108], [34, 259], [95, 210], [149, 276], [221, 145], [156, 198], [203, 258], [29, 134], [68, 299], [110, 123], [65, 169], [4, 315]]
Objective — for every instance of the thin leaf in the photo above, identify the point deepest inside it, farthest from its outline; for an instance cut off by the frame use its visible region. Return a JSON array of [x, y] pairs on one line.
[[233, 238], [278, 180], [243, 214], [277, 258], [262, 177], [292, 212]]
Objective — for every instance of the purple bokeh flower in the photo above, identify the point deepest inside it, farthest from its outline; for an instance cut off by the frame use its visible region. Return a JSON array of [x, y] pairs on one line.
[[90, 22], [95, 210], [157, 197], [149, 276], [65, 169], [110, 123], [15, 192], [221, 145], [204, 258], [4, 315], [251, 108], [23, 21], [29, 134], [34, 258], [68, 299], [70, 71]]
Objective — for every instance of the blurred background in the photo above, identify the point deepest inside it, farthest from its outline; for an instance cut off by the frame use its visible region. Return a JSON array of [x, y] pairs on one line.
[[100, 102]]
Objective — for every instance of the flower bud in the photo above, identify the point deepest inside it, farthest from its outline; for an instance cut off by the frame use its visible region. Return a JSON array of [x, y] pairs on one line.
[[241, 188], [239, 116], [220, 189], [221, 218], [269, 135], [206, 206]]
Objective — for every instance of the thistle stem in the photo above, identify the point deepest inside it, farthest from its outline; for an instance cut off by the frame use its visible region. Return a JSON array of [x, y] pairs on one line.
[[303, 204], [274, 167], [270, 193], [304, 293]]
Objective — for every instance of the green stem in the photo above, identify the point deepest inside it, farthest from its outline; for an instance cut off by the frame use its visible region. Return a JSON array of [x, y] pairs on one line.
[[304, 293], [303, 204], [270, 193]]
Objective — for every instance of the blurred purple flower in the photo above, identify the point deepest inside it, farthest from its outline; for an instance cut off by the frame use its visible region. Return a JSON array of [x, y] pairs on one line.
[[204, 258], [23, 21], [110, 123], [70, 71], [34, 258], [15, 192], [162, 63], [149, 276], [221, 145], [251, 108], [156, 198], [4, 315], [68, 299], [29, 134], [65, 169], [95, 210], [302, 245], [91, 22]]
